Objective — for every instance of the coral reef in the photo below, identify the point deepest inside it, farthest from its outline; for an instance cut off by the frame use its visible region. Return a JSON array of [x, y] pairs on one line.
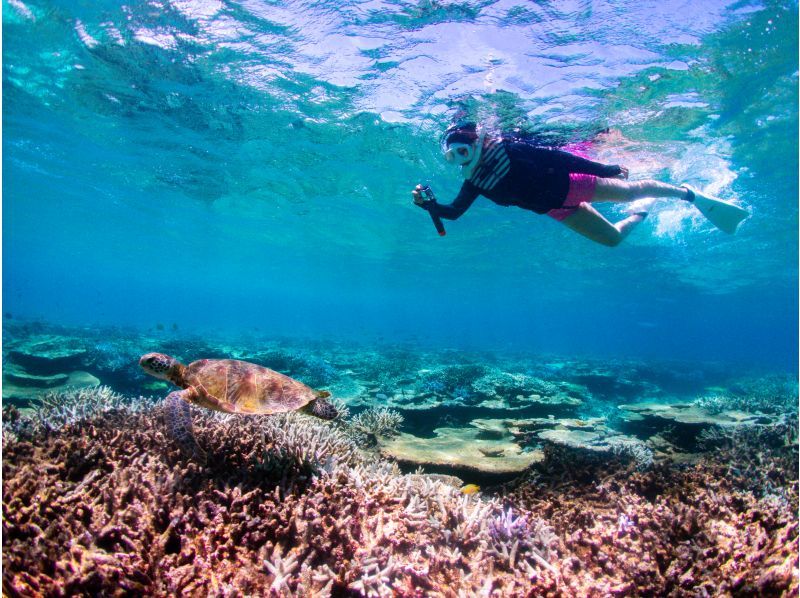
[[689, 490], [54, 409], [769, 394], [45, 355], [105, 506], [581, 435], [464, 451], [711, 529], [289, 504], [691, 414], [479, 386], [683, 426], [517, 390], [367, 427], [23, 388]]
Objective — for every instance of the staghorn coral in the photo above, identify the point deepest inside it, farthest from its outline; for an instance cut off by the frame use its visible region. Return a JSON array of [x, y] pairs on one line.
[[308, 439], [770, 394], [774, 393], [696, 530], [52, 409], [341, 408], [366, 427], [780, 433], [715, 404], [107, 506], [638, 452], [762, 457]]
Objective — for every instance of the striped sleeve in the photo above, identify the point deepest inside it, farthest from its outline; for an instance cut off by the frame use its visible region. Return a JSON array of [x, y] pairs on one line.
[[494, 165]]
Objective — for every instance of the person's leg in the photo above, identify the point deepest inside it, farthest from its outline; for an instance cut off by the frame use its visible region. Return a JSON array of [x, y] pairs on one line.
[[624, 191], [591, 224]]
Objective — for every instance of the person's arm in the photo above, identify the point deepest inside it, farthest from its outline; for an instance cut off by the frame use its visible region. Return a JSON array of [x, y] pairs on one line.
[[468, 194], [580, 165]]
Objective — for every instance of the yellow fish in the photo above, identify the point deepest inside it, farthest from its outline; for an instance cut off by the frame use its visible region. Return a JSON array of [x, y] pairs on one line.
[[470, 489]]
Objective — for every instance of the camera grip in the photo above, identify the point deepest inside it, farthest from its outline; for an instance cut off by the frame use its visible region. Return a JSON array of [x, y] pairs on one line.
[[437, 222]]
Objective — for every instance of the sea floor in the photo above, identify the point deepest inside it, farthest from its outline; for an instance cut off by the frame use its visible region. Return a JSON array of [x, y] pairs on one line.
[[448, 473]]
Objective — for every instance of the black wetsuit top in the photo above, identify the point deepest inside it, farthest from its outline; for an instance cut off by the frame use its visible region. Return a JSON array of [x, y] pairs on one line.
[[515, 173]]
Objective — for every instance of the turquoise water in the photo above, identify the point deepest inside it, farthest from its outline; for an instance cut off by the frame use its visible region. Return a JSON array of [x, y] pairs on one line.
[[229, 166]]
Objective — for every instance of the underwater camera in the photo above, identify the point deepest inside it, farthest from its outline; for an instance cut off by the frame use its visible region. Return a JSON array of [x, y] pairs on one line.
[[425, 194]]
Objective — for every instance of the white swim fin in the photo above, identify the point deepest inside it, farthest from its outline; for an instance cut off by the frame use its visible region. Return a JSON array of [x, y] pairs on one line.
[[722, 214]]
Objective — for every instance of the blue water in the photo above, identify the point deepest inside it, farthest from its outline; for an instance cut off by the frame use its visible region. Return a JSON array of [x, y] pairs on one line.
[[228, 166]]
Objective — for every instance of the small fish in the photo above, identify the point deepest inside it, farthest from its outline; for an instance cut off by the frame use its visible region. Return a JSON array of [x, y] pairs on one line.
[[470, 489]]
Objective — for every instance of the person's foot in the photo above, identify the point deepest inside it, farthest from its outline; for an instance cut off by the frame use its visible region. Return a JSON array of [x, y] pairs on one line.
[[690, 193], [641, 207]]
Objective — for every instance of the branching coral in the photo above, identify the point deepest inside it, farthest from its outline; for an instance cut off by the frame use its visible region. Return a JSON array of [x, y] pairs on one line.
[[366, 427], [772, 394], [694, 530], [763, 457], [284, 504], [449, 379], [498, 384], [636, 451], [53, 410], [717, 403], [781, 434]]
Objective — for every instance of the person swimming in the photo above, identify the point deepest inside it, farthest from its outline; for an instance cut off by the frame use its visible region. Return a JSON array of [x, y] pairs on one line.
[[515, 172]]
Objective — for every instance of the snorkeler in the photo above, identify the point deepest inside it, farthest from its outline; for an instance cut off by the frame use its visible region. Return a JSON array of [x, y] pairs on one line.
[[514, 172]]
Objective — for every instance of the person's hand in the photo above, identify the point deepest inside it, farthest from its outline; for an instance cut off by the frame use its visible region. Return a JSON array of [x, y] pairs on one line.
[[416, 193], [623, 173]]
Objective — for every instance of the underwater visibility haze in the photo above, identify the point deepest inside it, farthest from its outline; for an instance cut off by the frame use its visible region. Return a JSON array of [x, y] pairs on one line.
[[231, 179], [237, 165]]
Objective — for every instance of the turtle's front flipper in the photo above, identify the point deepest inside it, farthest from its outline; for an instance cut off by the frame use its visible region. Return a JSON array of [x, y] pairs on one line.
[[179, 425]]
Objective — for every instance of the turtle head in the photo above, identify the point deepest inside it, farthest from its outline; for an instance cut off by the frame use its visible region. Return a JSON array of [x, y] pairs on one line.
[[322, 406], [160, 366]]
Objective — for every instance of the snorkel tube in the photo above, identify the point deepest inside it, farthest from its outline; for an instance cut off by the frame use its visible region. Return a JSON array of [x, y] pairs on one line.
[[426, 195]]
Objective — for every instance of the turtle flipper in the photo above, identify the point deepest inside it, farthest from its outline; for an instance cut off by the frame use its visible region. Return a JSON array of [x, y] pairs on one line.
[[179, 425]]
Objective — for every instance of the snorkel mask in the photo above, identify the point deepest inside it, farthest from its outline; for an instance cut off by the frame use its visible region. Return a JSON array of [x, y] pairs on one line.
[[462, 145], [459, 153]]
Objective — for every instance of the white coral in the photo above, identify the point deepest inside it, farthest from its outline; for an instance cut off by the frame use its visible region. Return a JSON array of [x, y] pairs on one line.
[[375, 422], [281, 569], [54, 409], [375, 581]]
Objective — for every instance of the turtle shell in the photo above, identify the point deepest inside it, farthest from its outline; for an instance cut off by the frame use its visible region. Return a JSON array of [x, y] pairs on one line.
[[234, 386]]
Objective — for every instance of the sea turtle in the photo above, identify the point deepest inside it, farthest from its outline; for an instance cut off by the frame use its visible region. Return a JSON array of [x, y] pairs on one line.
[[230, 386]]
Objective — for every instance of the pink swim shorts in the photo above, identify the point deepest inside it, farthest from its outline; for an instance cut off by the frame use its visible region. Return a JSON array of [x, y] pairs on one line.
[[581, 189]]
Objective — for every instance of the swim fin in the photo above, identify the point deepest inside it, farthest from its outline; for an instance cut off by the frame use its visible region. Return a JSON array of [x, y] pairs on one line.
[[722, 214]]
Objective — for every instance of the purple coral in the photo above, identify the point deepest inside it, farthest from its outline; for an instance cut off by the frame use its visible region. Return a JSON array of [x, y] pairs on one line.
[[507, 526]]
